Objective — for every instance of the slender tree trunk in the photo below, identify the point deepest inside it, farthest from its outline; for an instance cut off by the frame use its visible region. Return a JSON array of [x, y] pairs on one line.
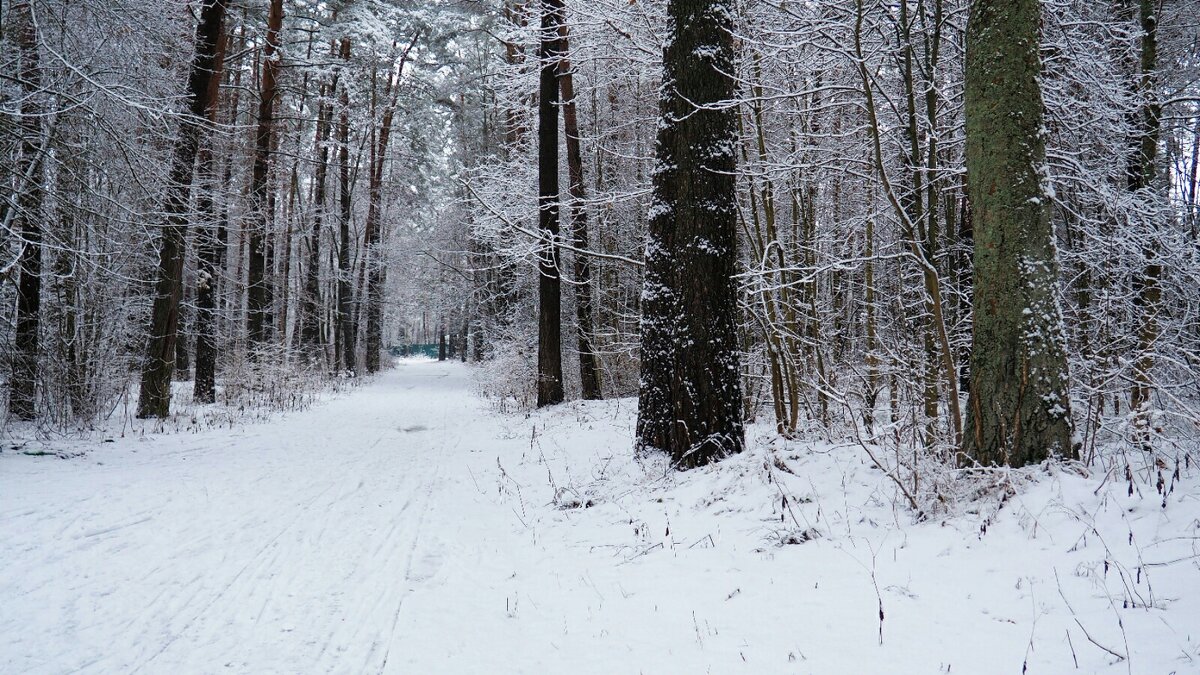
[[933, 286], [258, 302], [871, 396], [550, 377], [22, 395], [210, 245], [1019, 410], [310, 322], [376, 278], [1143, 170], [345, 323], [154, 399], [589, 366], [690, 395]]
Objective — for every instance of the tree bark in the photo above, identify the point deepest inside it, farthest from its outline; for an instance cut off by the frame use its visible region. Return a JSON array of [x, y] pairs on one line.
[[1143, 170], [1019, 410], [345, 301], [154, 399], [376, 272], [550, 377], [22, 394], [311, 335], [589, 366], [690, 395], [258, 303], [210, 245]]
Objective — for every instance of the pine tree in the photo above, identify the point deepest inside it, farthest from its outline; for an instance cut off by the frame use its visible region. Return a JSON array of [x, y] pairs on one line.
[[690, 401], [589, 366], [211, 239], [22, 397], [550, 374], [261, 198], [347, 333], [154, 399]]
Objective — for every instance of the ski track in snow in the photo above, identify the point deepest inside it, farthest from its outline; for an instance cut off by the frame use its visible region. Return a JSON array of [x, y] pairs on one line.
[[284, 547], [406, 528]]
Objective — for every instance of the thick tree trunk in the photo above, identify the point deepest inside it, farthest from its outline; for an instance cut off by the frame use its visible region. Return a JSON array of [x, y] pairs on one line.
[[154, 399], [550, 377], [690, 396], [1019, 410], [345, 322], [22, 393], [589, 366], [258, 302]]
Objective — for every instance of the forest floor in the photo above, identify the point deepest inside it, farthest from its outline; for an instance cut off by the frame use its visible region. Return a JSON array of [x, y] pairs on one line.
[[407, 527]]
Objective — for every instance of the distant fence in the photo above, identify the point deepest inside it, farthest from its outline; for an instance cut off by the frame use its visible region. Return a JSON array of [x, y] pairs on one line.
[[429, 350]]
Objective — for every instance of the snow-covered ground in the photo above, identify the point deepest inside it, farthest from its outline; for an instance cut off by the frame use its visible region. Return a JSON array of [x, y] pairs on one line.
[[405, 527]]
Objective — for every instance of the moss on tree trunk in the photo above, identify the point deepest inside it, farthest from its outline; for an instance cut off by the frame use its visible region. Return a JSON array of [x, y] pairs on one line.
[[1019, 411]]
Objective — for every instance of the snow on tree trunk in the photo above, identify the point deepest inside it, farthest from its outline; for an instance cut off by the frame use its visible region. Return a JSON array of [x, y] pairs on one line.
[[1019, 411], [690, 398]]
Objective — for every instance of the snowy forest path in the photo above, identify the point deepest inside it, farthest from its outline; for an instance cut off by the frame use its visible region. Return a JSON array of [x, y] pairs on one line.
[[269, 548]]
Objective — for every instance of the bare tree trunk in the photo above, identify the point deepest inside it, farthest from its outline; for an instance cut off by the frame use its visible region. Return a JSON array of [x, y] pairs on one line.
[[550, 378], [210, 244], [311, 335], [1143, 166], [258, 298], [22, 395], [589, 366], [376, 272], [154, 399], [345, 323]]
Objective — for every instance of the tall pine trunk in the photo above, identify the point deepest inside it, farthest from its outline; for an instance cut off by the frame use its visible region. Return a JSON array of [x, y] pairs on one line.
[[550, 375], [589, 367], [690, 397], [22, 394], [1019, 410], [345, 301], [376, 277], [311, 335], [210, 244], [258, 301], [154, 399]]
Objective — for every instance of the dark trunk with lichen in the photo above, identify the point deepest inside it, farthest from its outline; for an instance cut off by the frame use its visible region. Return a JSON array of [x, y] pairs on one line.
[[690, 397], [1019, 411]]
